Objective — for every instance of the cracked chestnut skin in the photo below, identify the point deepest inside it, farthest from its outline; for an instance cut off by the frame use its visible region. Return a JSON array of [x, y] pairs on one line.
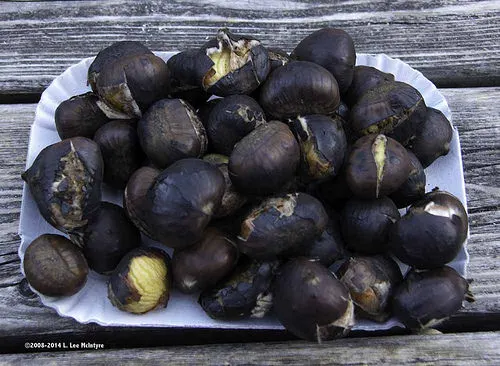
[[431, 233], [121, 151], [377, 166], [178, 203], [54, 266], [331, 48], [169, 131], [266, 159], [205, 263], [426, 298], [311, 302], [414, 188], [371, 281], [281, 224], [79, 116], [65, 181], [365, 78], [244, 293], [299, 88], [366, 224], [394, 109]]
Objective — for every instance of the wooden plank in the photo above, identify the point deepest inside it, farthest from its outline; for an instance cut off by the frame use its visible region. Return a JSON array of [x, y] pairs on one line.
[[444, 349], [477, 115], [454, 43]]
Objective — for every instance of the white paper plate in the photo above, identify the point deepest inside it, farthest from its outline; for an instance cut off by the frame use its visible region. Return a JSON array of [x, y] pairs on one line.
[[91, 303]]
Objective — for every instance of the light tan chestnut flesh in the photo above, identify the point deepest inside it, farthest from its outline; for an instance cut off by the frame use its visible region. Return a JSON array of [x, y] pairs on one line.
[[141, 282], [54, 266]]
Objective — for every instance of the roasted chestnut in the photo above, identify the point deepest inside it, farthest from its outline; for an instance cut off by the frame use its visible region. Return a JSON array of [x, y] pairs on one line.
[[365, 78], [245, 293], [433, 137], [432, 232], [65, 180], [335, 192], [230, 120], [322, 145], [264, 160], [299, 88], [371, 282], [54, 266], [129, 85], [424, 299], [310, 302], [111, 53], [414, 188], [239, 64], [232, 200], [121, 151], [277, 58], [178, 204], [108, 237], [331, 48], [394, 109], [377, 166], [366, 224], [169, 131], [203, 264], [142, 281], [281, 224], [79, 116]]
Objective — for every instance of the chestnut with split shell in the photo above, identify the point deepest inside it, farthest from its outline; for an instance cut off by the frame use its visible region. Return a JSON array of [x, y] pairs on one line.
[[377, 166], [142, 281], [431, 233], [65, 181], [414, 188], [425, 299], [281, 224], [54, 266], [365, 78], [310, 302]]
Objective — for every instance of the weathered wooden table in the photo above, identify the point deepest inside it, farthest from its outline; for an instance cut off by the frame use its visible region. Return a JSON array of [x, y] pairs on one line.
[[456, 44]]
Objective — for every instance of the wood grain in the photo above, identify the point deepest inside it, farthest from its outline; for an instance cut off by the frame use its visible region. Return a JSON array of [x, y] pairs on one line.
[[454, 43], [444, 349], [477, 115]]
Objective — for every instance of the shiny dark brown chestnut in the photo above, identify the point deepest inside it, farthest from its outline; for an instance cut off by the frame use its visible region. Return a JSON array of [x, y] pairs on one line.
[[205, 263], [414, 188], [424, 299], [79, 116], [111, 53], [108, 237], [142, 281], [433, 137], [310, 302], [121, 151], [281, 224], [322, 145], [244, 293], [366, 224], [169, 131], [239, 64], [299, 88], [264, 160], [431, 233], [232, 200], [54, 266], [129, 85], [365, 78], [178, 203], [65, 180], [230, 120], [377, 166], [331, 48], [394, 109], [371, 282]]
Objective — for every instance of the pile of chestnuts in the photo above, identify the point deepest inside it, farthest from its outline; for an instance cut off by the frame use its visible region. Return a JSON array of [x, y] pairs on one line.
[[263, 171]]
